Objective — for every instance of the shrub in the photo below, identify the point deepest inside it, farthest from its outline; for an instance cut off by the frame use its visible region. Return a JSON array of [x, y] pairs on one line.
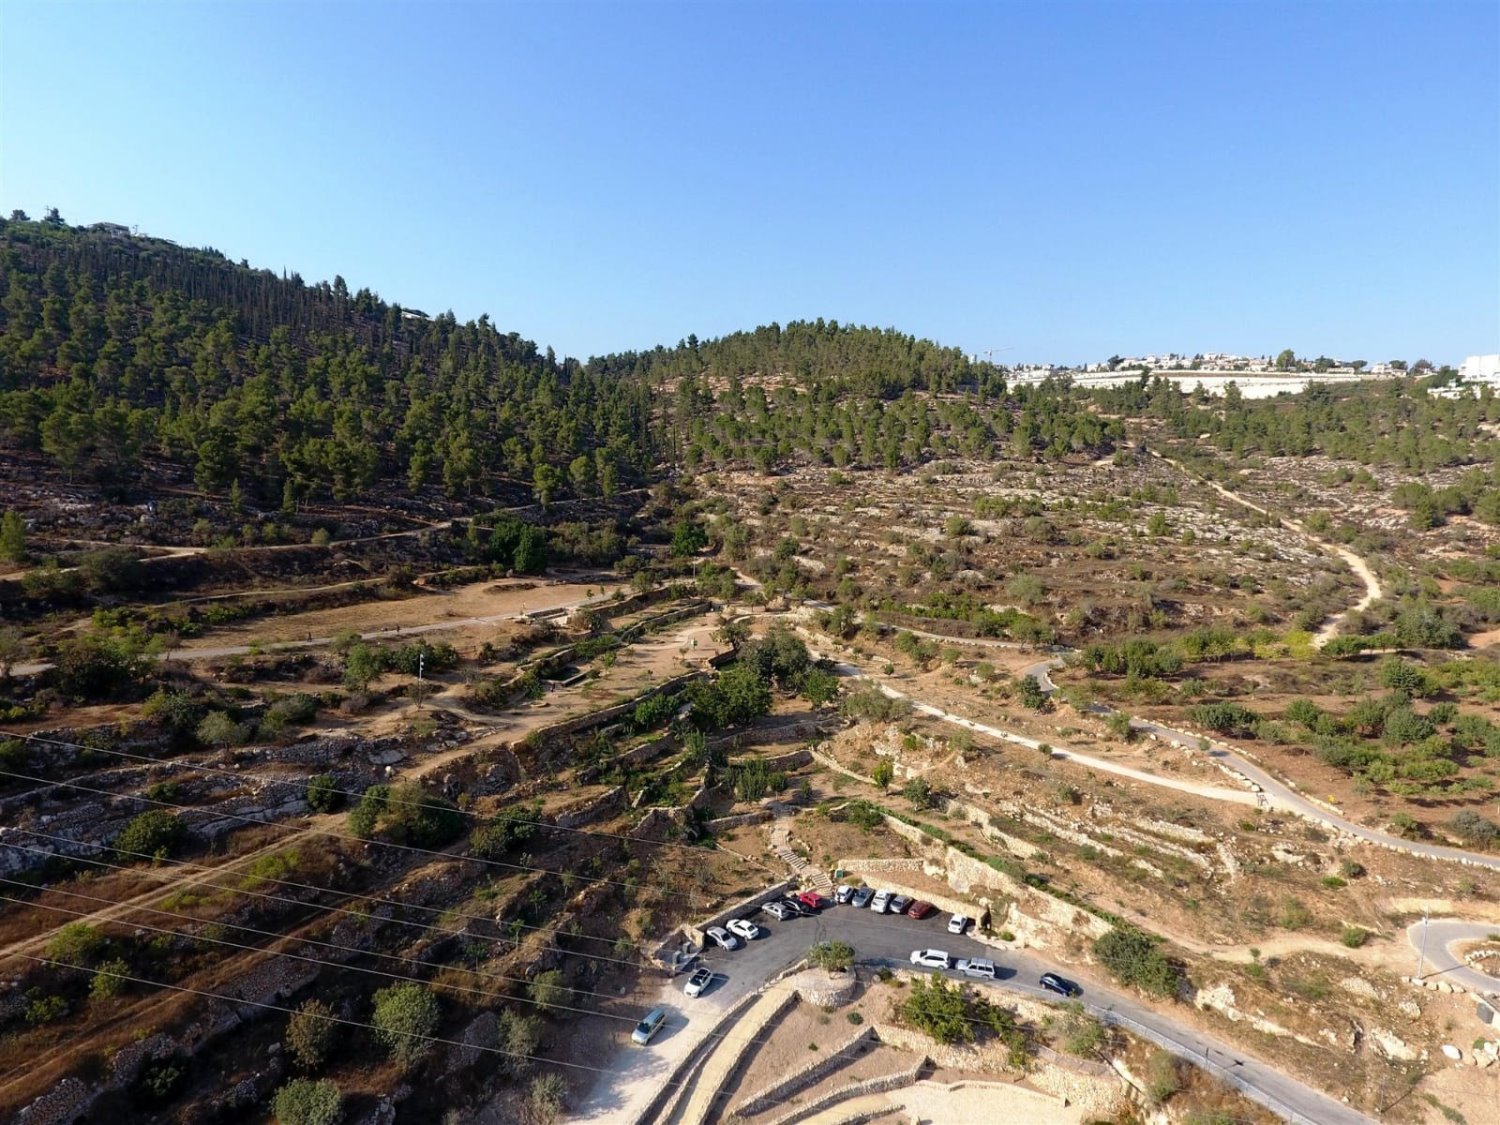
[[520, 1036], [546, 1099], [1163, 1075], [157, 834], [310, 1033], [548, 990], [937, 1008], [405, 1017], [323, 794], [406, 814], [1132, 957], [218, 729], [77, 943], [504, 832], [835, 956], [1031, 693], [1472, 828], [109, 979], [303, 1101], [883, 773], [1354, 936]]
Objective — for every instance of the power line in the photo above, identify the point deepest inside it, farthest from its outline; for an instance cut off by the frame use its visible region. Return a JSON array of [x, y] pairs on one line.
[[275, 934], [315, 960], [375, 899], [330, 1019], [348, 793], [314, 831]]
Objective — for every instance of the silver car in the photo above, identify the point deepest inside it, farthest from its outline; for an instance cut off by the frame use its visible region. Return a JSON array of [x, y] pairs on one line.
[[649, 1026]]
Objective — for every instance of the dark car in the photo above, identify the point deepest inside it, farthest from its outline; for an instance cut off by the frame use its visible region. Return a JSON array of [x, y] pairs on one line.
[[799, 906], [862, 897], [1060, 985], [920, 910], [900, 903]]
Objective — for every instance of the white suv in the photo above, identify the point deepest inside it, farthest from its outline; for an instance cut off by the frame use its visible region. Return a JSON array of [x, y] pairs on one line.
[[931, 958], [744, 928]]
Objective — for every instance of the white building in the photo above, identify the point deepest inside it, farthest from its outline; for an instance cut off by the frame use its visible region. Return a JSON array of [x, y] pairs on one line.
[[1480, 369]]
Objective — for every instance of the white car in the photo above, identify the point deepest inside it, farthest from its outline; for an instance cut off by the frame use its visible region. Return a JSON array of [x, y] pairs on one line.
[[722, 938], [744, 928], [976, 967], [843, 893], [931, 958], [698, 982], [958, 923], [778, 910], [881, 901]]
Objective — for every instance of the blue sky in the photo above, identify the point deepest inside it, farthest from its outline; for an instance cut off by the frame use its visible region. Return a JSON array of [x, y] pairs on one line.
[[1063, 180]]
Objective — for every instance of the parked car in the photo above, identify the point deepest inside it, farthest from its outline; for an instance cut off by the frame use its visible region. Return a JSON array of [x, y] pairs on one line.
[[1060, 985], [931, 958], [920, 910], [798, 906], [813, 900], [958, 923], [743, 928], [722, 938], [881, 901], [698, 983], [648, 1026], [843, 893], [862, 897], [900, 903], [979, 968], [779, 910]]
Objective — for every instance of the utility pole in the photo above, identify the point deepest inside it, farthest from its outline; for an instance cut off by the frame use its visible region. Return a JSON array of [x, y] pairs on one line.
[[1422, 949], [421, 668]]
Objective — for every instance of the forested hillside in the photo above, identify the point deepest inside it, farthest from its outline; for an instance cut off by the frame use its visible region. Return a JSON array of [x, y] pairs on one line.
[[824, 393], [118, 350]]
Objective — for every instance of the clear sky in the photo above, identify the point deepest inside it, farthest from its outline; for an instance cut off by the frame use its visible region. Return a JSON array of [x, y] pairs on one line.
[[1063, 180]]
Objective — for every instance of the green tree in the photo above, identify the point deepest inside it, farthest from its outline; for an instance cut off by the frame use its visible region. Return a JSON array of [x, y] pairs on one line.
[[406, 813], [304, 1101], [688, 537], [883, 773], [218, 729], [156, 833], [1031, 693], [12, 650], [310, 1034], [323, 794], [835, 956], [548, 990], [1133, 957], [936, 1007], [12, 537], [405, 1019]]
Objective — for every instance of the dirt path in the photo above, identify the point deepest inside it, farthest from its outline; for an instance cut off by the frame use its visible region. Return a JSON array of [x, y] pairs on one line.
[[1360, 567]]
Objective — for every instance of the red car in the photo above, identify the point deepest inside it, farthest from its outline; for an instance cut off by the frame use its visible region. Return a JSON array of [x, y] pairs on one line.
[[813, 899], [920, 910]]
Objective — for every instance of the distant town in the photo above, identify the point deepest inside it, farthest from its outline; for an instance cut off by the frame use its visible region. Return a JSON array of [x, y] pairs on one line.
[[1265, 376]]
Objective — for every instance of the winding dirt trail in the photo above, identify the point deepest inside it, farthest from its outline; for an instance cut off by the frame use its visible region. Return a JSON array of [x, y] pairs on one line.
[[1360, 566]]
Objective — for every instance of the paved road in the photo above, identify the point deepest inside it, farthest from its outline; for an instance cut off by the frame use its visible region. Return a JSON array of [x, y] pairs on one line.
[[1430, 941], [1277, 793], [888, 940]]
